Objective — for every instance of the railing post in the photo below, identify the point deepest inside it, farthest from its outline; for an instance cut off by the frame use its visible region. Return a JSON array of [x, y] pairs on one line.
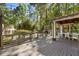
[[30, 36], [37, 34], [12, 36]]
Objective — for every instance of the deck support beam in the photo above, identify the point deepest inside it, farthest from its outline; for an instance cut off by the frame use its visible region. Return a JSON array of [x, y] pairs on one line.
[[70, 36], [61, 30], [54, 30], [69, 28]]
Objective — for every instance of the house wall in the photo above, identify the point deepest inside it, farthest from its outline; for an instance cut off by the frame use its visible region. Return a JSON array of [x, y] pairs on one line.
[[8, 30]]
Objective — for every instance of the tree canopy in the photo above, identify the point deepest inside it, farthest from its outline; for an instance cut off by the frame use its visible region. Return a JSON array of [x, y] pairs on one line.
[[36, 15]]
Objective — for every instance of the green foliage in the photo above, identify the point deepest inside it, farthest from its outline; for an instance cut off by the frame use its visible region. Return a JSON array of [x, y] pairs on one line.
[[20, 17], [46, 12], [22, 31], [26, 25]]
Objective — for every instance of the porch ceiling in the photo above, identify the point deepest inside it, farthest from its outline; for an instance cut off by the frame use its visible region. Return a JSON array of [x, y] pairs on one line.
[[68, 19]]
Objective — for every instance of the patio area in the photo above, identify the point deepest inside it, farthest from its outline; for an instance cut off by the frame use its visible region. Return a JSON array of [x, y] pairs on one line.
[[43, 46]]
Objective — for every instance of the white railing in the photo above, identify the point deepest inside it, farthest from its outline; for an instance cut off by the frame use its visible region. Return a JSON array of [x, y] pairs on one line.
[[73, 35]]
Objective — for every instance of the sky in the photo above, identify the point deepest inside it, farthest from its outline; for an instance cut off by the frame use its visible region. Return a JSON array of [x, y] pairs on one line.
[[11, 5], [14, 5]]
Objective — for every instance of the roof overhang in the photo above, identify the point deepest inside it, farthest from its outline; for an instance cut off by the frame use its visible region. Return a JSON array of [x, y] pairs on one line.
[[68, 19]]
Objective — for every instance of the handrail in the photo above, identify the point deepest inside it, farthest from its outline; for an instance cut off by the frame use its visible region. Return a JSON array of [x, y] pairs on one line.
[[20, 33]]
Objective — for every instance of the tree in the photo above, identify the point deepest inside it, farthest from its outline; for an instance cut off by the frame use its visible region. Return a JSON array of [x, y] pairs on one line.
[[1, 29], [42, 14], [20, 14], [1, 43]]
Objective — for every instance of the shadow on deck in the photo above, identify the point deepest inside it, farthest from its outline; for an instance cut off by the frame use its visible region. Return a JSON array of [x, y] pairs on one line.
[[58, 48], [43, 46]]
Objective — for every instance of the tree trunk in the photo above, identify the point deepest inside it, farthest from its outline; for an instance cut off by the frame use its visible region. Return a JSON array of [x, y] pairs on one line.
[[46, 17], [1, 30]]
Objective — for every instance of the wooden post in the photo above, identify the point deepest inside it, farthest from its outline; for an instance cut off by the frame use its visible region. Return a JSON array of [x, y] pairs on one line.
[[61, 30], [70, 35], [54, 30], [37, 34], [1, 43], [69, 28], [30, 37]]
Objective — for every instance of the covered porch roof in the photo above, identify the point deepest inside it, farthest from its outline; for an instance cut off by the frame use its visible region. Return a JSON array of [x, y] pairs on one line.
[[68, 18]]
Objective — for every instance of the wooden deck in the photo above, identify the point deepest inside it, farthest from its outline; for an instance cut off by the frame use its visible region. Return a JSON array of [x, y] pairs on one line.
[[43, 46]]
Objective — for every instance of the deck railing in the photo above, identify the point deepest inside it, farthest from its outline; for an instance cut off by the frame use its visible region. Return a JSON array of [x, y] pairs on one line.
[[73, 36], [22, 36]]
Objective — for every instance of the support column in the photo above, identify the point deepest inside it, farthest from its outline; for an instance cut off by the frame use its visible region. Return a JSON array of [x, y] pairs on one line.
[[54, 30], [61, 30], [70, 34], [69, 28]]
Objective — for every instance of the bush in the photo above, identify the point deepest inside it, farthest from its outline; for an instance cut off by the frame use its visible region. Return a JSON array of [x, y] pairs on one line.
[[21, 31]]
